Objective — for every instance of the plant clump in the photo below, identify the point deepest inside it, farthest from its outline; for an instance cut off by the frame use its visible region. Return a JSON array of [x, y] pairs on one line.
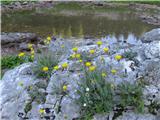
[[96, 94], [44, 65], [97, 91]]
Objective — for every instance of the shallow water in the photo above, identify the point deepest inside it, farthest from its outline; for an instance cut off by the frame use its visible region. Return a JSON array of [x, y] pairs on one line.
[[115, 25]]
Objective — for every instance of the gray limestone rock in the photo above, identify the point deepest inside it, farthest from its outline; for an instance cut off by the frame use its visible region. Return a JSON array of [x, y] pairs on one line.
[[134, 116], [153, 35]]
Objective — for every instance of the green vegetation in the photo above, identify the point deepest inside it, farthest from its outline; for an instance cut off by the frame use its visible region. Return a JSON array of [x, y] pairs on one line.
[[81, 7], [96, 95], [153, 107], [151, 2], [45, 63], [10, 61], [131, 95], [97, 92], [129, 55]]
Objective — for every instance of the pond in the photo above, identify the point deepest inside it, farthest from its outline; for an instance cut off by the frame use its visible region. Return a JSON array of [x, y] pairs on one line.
[[115, 24]]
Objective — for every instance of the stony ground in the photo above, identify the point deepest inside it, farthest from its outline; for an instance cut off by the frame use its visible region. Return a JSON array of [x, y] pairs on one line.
[[15, 84]]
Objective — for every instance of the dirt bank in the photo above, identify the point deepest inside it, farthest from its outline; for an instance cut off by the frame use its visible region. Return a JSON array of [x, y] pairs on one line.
[[25, 5]]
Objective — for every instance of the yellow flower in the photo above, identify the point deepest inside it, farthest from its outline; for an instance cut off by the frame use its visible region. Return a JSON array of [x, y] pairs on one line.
[[88, 64], [45, 41], [49, 38], [64, 87], [30, 45], [104, 74], [113, 71], [41, 111], [92, 51], [75, 49], [113, 86], [92, 68], [106, 50], [80, 61], [30, 87], [99, 43], [118, 57], [73, 56], [32, 52], [62, 46], [32, 56], [65, 65], [78, 56], [20, 83], [56, 67], [48, 42], [45, 69], [31, 49], [21, 54]]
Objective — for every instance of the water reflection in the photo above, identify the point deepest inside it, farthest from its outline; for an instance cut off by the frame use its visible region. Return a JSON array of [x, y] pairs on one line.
[[131, 39], [119, 26]]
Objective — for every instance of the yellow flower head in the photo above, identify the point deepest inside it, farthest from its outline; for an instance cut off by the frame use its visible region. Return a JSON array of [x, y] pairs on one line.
[[48, 42], [92, 51], [32, 56], [88, 64], [106, 50], [31, 49], [32, 52], [99, 43], [113, 86], [92, 68], [49, 38], [30, 87], [45, 69], [62, 46], [75, 49], [21, 54], [113, 71], [73, 56], [104, 74], [20, 83], [118, 57], [64, 65], [64, 87], [78, 56], [45, 41], [42, 111], [56, 67], [80, 61], [30, 45]]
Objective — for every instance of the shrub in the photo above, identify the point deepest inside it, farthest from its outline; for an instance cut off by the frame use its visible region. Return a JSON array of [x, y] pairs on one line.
[[130, 55], [96, 95], [44, 61], [10, 61], [131, 95], [86, 56], [153, 107]]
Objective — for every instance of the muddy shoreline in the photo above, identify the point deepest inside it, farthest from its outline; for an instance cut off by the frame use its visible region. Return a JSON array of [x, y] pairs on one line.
[[25, 5]]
